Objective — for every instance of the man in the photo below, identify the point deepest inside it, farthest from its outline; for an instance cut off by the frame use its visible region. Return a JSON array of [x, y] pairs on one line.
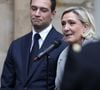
[[22, 73], [82, 70]]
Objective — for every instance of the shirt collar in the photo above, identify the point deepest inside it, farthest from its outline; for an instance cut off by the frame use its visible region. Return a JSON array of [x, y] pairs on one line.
[[43, 33]]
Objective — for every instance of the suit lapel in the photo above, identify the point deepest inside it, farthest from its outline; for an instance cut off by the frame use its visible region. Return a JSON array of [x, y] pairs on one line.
[[51, 37], [25, 53], [48, 41]]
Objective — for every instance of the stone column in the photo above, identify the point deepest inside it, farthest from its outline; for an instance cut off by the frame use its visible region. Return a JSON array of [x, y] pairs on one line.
[[6, 28], [6, 24], [21, 17]]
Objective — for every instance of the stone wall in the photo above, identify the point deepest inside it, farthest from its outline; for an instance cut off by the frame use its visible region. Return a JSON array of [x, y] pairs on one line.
[[6, 28]]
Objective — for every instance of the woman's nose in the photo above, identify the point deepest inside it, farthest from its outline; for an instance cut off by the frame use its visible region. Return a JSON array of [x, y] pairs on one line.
[[66, 27]]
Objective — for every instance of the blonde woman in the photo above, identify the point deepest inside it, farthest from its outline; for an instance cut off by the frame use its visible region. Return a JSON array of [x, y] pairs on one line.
[[78, 28]]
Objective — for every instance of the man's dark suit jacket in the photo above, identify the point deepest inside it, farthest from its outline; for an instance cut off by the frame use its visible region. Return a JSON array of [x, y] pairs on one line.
[[15, 77], [82, 70]]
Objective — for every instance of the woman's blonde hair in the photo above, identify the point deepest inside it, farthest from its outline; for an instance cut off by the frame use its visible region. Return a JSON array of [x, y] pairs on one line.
[[86, 18]]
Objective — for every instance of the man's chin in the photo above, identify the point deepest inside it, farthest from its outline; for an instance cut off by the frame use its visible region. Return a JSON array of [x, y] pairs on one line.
[[36, 24]]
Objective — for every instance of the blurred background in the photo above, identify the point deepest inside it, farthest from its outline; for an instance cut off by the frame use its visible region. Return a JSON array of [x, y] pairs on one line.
[[15, 19]]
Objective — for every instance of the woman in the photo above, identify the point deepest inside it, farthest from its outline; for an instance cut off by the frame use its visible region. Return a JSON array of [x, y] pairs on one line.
[[78, 29]]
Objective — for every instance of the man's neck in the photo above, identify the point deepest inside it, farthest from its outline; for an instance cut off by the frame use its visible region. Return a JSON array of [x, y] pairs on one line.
[[39, 28]]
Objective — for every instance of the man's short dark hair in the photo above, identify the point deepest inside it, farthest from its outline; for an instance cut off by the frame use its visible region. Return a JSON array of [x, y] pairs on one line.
[[53, 4]]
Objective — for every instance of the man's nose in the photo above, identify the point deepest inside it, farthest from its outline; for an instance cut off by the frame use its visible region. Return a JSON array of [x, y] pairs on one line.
[[37, 13]]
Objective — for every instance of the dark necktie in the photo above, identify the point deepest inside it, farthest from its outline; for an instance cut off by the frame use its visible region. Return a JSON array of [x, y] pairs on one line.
[[35, 50]]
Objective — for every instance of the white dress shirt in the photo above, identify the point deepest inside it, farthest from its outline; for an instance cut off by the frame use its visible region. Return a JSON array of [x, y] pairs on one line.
[[43, 34]]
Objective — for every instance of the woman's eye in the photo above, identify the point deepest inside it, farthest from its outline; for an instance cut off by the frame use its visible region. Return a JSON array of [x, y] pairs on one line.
[[63, 23], [71, 22]]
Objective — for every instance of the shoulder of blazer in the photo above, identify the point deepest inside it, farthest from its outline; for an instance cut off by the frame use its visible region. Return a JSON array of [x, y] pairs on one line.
[[22, 41], [26, 37], [56, 32], [54, 35]]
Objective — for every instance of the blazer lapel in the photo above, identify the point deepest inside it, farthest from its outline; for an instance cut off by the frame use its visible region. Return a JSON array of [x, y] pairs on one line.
[[25, 53], [60, 67], [48, 41]]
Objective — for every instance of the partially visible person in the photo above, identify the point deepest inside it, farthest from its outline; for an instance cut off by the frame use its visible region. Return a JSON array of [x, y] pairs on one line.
[[82, 69], [21, 71], [78, 28]]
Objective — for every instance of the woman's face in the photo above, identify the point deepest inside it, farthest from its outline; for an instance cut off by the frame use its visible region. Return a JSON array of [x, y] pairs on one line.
[[72, 28]]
